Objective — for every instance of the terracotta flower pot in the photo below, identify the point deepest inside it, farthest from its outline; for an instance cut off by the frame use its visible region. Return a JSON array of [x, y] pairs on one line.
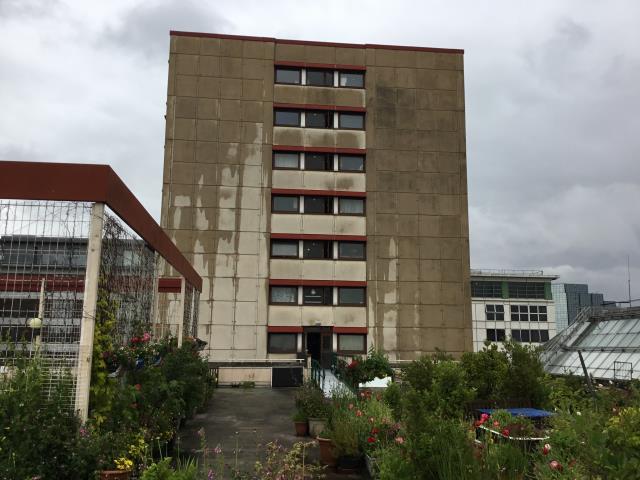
[[115, 475], [327, 452], [301, 428], [316, 425]]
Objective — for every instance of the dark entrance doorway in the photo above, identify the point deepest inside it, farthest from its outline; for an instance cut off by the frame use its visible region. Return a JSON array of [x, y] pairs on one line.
[[319, 344]]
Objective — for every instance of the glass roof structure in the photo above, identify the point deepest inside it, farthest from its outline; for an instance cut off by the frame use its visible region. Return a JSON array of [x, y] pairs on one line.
[[609, 340]]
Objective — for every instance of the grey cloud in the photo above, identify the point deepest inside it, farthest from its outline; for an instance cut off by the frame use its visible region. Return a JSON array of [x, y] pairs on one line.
[[144, 28], [27, 8]]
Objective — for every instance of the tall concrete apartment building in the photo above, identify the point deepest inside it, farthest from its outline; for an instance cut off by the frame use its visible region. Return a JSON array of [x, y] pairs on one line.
[[320, 190]]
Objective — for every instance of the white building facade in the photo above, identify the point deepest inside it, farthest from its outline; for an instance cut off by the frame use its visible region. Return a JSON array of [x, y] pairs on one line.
[[512, 304]]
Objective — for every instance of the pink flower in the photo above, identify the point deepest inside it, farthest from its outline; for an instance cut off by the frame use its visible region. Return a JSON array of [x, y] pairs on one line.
[[358, 413], [137, 386], [555, 465], [477, 423], [361, 394], [351, 406], [505, 432], [374, 431], [496, 423], [146, 337], [135, 340], [84, 432], [399, 440], [546, 449], [484, 417], [217, 450]]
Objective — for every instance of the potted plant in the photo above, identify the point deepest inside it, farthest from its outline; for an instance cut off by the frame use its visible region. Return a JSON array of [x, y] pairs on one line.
[[300, 422], [310, 400], [327, 448], [347, 429]]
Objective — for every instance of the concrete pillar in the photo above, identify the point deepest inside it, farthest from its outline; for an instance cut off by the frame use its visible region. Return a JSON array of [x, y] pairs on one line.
[[183, 291], [90, 299]]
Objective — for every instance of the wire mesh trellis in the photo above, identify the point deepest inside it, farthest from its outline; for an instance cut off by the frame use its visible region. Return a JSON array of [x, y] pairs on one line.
[[128, 278], [43, 251]]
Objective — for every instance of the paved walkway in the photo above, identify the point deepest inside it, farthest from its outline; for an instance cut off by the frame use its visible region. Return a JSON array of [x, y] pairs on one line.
[[248, 418]]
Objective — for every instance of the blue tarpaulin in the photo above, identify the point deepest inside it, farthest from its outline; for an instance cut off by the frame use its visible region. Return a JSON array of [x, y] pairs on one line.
[[520, 412]]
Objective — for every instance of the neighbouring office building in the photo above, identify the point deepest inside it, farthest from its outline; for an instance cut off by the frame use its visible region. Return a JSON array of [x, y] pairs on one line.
[[515, 304], [320, 191], [570, 299]]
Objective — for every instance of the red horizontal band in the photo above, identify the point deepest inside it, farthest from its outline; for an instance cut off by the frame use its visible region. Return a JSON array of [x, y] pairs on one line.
[[312, 236], [295, 282], [283, 329], [313, 106], [296, 148], [350, 330], [170, 285], [308, 42], [333, 66], [322, 193]]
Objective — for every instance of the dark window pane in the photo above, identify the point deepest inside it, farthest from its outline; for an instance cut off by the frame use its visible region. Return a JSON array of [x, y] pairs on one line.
[[288, 160], [288, 75], [515, 335], [351, 163], [500, 334], [542, 309], [535, 336], [352, 79], [284, 248], [318, 249], [318, 119], [320, 78], [283, 342], [542, 317], [287, 295], [317, 296], [320, 204], [526, 290], [486, 289], [352, 250], [351, 206], [544, 335], [351, 120], [285, 203], [524, 335], [351, 296], [352, 343], [491, 334], [318, 161], [287, 118]]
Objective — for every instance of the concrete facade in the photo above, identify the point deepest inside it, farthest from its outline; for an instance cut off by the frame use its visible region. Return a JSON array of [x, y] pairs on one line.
[[219, 176]]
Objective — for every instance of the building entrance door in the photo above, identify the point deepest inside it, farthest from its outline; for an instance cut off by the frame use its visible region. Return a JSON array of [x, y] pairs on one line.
[[319, 344]]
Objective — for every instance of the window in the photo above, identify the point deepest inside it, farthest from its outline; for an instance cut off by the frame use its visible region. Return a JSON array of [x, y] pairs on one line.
[[285, 204], [494, 312], [287, 118], [283, 343], [283, 295], [349, 343], [317, 295], [318, 119], [519, 313], [318, 205], [318, 161], [291, 76], [526, 290], [537, 313], [353, 121], [352, 79], [352, 250], [286, 160], [350, 206], [284, 248], [320, 78], [351, 296], [351, 163], [317, 249], [486, 289], [495, 334], [530, 336]]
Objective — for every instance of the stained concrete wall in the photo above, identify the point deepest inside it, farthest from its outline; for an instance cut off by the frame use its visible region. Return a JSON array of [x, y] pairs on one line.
[[215, 189], [417, 220]]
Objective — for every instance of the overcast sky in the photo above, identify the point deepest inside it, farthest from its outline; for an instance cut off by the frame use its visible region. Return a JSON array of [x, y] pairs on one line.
[[552, 98]]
